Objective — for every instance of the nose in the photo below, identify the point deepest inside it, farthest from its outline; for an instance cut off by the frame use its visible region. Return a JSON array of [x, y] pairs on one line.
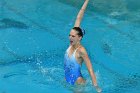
[[70, 37]]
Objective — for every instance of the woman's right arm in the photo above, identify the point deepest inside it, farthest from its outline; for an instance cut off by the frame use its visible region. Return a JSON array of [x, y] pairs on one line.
[[80, 14]]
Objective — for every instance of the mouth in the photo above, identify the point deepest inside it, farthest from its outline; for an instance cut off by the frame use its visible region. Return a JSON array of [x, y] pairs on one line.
[[71, 42]]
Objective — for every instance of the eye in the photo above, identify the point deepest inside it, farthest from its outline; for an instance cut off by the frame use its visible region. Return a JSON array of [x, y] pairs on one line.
[[71, 35]]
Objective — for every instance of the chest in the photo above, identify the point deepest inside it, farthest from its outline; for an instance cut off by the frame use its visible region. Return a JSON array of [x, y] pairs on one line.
[[76, 55]]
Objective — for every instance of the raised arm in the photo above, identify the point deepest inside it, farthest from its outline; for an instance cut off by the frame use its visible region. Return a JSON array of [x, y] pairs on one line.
[[80, 14]]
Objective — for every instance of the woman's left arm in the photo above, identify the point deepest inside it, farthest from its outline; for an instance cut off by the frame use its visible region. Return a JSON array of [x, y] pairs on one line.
[[87, 61]]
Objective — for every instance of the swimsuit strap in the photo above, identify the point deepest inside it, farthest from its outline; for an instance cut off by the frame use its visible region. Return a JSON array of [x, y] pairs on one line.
[[73, 54], [68, 49], [75, 51]]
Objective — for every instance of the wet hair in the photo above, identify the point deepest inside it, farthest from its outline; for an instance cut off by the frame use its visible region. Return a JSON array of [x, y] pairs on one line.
[[81, 32]]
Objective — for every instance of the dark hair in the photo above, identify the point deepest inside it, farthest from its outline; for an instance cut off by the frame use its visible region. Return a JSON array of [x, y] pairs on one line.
[[80, 31]]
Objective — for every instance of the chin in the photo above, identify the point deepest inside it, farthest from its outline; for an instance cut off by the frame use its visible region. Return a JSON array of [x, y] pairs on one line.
[[71, 44]]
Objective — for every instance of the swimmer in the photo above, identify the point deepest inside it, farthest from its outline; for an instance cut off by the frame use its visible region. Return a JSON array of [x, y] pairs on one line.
[[76, 54]]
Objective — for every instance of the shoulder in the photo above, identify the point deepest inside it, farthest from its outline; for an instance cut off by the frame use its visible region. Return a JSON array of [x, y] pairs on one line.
[[82, 51]]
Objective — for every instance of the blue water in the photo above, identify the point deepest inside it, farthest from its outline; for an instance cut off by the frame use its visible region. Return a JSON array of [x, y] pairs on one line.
[[34, 37]]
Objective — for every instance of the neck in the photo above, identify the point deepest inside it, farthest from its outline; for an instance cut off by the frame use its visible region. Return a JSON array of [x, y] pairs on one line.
[[76, 45]]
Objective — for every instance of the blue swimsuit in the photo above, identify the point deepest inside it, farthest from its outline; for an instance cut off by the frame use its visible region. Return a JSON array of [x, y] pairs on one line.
[[71, 67]]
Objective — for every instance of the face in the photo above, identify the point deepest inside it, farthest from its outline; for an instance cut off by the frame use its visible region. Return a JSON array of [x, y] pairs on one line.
[[74, 37]]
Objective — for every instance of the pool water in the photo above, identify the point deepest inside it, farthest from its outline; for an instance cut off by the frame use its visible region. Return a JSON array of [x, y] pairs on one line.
[[34, 37]]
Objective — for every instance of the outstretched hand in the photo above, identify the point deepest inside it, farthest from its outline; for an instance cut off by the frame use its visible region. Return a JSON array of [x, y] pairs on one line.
[[98, 89]]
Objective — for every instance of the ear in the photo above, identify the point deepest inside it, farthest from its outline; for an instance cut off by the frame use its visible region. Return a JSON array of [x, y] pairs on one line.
[[80, 38]]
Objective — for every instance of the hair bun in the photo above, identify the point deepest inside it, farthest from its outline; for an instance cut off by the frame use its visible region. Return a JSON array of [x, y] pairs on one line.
[[83, 31]]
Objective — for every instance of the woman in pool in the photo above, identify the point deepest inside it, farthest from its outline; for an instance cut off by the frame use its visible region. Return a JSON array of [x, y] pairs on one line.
[[76, 54]]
